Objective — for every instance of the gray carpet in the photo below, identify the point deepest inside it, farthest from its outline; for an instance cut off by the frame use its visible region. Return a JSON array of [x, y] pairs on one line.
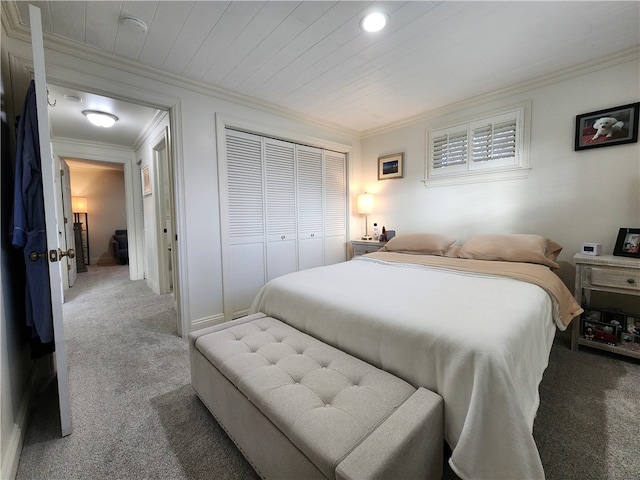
[[134, 412], [136, 416]]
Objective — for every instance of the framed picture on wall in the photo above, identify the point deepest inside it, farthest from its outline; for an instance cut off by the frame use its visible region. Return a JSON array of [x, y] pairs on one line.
[[390, 166], [628, 243], [146, 181], [603, 128]]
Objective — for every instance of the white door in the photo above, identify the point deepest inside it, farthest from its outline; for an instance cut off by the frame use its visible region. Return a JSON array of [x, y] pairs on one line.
[[310, 207], [68, 240], [49, 178], [280, 200]]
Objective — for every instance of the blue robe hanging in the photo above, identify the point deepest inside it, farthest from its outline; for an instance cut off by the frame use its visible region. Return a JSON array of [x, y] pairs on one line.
[[29, 228]]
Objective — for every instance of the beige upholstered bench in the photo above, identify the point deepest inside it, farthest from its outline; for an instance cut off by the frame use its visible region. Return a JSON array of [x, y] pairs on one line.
[[298, 408]]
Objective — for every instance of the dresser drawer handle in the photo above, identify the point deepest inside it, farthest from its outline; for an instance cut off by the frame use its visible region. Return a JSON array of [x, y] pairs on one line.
[[631, 281]]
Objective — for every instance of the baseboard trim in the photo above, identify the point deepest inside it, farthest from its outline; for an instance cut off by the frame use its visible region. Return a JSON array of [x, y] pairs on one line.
[[206, 322], [11, 458]]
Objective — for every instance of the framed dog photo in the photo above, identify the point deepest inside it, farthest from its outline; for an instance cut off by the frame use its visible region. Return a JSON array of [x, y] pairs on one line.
[[628, 243], [390, 166], [613, 126]]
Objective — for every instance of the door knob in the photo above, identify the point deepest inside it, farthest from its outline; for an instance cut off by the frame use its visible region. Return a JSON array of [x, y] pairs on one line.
[[35, 256], [69, 253]]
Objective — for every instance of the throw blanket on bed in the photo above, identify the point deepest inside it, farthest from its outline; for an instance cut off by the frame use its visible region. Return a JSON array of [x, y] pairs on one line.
[[565, 306], [481, 341]]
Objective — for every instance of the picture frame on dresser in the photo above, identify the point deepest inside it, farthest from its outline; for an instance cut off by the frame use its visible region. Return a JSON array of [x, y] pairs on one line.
[[628, 243]]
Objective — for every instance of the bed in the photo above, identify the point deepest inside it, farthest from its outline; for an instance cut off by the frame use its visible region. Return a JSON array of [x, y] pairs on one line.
[[477, 330]]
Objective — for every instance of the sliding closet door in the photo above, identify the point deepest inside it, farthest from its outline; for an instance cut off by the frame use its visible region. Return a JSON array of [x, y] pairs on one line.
[[310, 207], [279, 164], [246, 232], [335, 206]]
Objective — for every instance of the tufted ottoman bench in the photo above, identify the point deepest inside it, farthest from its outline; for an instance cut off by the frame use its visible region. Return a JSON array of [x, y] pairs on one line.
[[298, 408]]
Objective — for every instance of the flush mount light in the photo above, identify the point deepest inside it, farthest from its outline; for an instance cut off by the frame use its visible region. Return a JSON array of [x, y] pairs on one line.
[[100, 119], [134, 24], [374, 21]]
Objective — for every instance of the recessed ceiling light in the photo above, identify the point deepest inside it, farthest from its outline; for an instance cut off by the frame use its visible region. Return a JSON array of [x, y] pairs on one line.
[[134, 24], [374, 21], [100, 119]]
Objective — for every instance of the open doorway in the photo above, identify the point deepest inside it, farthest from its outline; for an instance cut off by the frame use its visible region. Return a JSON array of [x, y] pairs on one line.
[[140, 137]]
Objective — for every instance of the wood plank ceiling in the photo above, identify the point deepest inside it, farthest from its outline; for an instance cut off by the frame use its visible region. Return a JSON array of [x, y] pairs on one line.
[[311, 57]]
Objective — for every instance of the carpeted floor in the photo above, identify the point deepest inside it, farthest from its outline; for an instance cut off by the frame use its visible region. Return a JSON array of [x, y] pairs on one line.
[[135, 415], [134, 412]]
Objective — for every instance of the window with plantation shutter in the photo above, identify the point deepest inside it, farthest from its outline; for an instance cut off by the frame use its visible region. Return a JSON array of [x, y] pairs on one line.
[[478, 147], [450, 149]]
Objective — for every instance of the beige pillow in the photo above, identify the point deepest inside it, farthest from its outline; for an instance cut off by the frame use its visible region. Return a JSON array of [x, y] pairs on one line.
[[419, 243], [512, 248]]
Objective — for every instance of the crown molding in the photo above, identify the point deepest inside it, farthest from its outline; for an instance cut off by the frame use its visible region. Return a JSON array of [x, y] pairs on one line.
[[629, 55], [156, 120], [10, 17], [14, 29]]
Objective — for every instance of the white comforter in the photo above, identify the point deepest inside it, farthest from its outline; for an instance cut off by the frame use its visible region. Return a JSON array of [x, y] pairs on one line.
[[482, 342]]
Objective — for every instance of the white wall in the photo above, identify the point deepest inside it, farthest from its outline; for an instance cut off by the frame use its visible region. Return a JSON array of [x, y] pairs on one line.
[[194, 142], [150, 228], [571, 197], [105, 193]]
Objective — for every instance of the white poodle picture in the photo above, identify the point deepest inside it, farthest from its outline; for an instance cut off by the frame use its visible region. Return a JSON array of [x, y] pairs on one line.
[[607, 126]]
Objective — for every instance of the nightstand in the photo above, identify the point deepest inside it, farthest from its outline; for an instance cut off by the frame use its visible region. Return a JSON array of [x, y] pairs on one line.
[[605, 273], [360, 247]]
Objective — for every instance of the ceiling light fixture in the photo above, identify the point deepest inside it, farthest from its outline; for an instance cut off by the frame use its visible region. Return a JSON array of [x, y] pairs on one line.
[[374, 21], [100, 119], [134, 24]]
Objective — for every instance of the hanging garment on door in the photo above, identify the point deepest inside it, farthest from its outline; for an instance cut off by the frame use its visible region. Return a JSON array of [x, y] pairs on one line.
[[29, 228]]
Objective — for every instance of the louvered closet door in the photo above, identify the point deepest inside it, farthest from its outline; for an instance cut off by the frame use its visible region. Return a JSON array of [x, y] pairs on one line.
[[279, 163], [246, 231], [310, 207], [335, 205]]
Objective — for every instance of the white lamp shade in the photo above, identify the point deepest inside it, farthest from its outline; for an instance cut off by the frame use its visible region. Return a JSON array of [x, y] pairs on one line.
[[79, 204], [365, 203]]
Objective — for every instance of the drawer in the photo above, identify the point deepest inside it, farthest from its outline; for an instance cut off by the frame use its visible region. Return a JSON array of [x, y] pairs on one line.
[[360, 248], [367, 249], [621, 278]]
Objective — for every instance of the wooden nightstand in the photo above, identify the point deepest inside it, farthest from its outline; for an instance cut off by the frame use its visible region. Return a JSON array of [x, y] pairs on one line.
[[360, 247], [605, 273]]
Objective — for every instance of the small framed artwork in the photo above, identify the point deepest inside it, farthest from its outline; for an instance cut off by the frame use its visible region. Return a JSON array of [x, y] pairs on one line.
[[628, 243], [603, 128], [390, 166], [146, 181]]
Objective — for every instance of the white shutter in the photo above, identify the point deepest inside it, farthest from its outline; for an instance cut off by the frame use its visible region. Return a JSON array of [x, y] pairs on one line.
[[449, 151], [480, 146], [244, 180], [494, 142]]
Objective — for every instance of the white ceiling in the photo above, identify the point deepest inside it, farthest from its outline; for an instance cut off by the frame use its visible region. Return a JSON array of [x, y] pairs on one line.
[[312, 58]]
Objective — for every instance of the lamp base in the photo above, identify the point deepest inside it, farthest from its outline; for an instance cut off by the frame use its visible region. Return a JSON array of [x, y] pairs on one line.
[[367, 237]]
